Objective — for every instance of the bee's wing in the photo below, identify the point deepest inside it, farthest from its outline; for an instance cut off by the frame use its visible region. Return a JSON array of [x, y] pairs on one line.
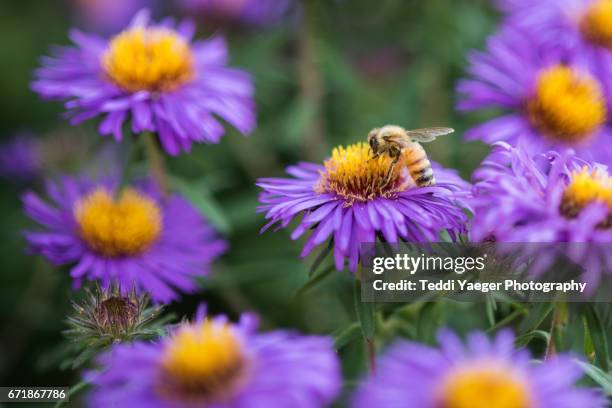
[[428, 134]]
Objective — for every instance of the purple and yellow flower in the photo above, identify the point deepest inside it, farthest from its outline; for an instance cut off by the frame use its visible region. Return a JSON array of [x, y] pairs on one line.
[[256, 13], [550, 198], [582, 28], [214, 363], [551, 99], [480, 374], [155, 76], [131, 236], [351, 200]]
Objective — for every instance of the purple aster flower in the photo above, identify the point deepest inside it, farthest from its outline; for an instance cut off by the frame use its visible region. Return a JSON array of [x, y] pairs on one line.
[[214, 363], [350, 200], [255, 13], [154, 75], [481, 374], [580, 26], [552, 198], [20, 159], [551, 99], [106, 16], [128, 237]]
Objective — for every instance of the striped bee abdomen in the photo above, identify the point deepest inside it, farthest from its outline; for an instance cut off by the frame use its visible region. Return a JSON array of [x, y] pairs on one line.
[[419, 166]]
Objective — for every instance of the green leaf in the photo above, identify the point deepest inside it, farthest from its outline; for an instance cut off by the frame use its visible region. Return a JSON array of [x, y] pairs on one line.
[[599, 339], [428, 321], [321, 257], [509, 318], [199, 195], [535, 317], [84, 357], [603, 379], [345, 335], [74, 390], [314, 281], [491, 307], [524, 339], [365, 313], [297, 116], [574, 338]]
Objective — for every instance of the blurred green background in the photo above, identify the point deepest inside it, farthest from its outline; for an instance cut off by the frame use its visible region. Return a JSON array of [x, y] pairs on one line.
[[326, 76]]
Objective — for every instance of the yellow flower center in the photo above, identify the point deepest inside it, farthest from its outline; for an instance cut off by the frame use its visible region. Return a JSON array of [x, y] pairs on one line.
[[148, 59], [596, 23], [203, 362], [118, 227], [484, 387], [587, 187], [352, 174], [567, 107]]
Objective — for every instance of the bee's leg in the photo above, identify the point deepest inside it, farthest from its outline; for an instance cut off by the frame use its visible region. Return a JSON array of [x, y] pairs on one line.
[[396, 157], [376, 156]]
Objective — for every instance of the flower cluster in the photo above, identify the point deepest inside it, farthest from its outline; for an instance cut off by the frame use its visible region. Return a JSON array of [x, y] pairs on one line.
[[551, 198], [546, 181], [549, 68]]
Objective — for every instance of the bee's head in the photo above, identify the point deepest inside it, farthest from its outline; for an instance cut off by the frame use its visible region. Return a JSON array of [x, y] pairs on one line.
[[372, 140]]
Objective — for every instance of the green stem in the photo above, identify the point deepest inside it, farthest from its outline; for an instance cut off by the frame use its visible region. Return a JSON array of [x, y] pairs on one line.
[[310, 84], [517, 313], [73, 391], [157, 164], [131, 151], [366, 315], [558, 319], [371, 347]]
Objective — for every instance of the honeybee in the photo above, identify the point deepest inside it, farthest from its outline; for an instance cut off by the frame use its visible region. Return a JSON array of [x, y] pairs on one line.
[[394, 141]]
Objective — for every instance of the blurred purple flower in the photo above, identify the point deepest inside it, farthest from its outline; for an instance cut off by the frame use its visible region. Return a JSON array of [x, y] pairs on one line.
[[551, 198], [127, 237], [256, 13], [20, 159], [106, 16], [348, 200], [582, 28], [214, 363], [550, 98], [481, 374], [157, 77], [577, 26]]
